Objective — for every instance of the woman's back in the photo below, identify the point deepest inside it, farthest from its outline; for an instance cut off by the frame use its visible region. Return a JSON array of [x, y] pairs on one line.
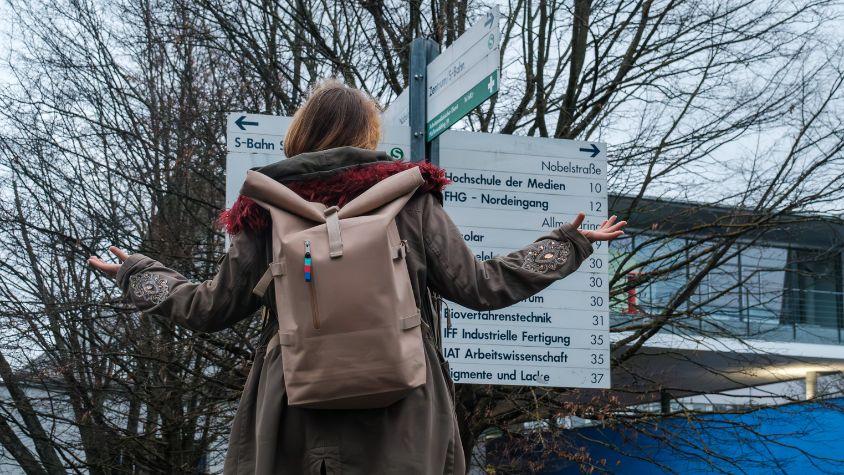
[[417, 434]]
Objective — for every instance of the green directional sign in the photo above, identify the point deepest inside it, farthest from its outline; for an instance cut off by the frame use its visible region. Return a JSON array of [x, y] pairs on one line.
[[462, 77], [459, 108]]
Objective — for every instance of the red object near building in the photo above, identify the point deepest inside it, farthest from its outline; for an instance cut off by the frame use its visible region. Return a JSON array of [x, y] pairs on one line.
[[632, 302]]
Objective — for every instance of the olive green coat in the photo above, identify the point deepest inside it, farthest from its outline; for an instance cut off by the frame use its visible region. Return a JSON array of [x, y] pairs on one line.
[[418, 434]]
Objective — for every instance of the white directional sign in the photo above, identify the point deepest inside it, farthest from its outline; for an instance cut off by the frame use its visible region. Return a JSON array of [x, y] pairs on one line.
[[507, 191], [252, 140], [459, 79]]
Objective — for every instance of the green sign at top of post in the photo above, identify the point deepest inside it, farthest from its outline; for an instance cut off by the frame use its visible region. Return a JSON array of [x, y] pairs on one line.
[[463, 76]]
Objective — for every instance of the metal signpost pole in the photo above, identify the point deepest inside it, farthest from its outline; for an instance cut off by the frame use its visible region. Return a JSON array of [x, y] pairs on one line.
[[422, 51], [432, 50], [418, 80]]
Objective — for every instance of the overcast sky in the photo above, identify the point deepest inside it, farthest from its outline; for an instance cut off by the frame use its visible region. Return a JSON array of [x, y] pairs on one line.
[[5, 41], [744, 147]]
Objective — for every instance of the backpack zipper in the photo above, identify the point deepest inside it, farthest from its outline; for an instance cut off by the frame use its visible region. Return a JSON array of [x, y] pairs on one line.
[[309, 279]]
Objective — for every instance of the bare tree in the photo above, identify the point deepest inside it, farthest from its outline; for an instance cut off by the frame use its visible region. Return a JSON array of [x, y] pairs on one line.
[[114, 136]]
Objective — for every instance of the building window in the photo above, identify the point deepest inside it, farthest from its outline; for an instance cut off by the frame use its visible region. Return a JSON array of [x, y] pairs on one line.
[[813, 288], [763, 271], [755, 291]]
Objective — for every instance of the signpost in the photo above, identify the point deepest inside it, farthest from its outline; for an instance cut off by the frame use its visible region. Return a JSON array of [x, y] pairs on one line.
[[507, 191]]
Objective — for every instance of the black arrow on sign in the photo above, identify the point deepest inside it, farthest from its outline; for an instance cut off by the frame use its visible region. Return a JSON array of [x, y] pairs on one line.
[[594, 150], [241, 121]]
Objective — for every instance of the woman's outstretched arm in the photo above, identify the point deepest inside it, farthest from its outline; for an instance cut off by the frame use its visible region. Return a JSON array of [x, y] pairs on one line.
[[455, 272], [204, 306]]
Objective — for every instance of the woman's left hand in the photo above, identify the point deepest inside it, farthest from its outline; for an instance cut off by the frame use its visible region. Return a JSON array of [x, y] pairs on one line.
[[608, 230], [107, 268]]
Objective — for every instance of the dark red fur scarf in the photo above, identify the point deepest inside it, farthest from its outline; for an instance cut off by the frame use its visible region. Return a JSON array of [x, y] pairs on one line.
[[335, 190]]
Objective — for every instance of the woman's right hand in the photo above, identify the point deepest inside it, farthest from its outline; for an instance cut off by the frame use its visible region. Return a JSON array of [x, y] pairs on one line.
[[608, 230]]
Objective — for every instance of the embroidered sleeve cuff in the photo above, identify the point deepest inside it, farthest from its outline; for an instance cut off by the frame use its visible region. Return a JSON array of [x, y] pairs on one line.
[[546, 255], [581, 243], [142, 282], [148, 288], [552, 251], [132, 265]]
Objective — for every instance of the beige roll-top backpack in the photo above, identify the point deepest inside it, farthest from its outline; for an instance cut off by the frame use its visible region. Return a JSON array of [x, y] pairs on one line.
[[349, 328]]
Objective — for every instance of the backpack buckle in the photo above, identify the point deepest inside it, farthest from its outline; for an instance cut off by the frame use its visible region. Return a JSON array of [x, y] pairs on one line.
[[401, 251]]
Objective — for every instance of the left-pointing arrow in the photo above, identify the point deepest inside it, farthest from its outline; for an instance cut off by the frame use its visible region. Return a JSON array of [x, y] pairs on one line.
[[594, 150], [241, 122]]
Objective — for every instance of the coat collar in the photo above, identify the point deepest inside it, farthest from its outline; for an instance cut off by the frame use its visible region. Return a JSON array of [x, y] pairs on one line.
[[331, 177], [321, 164]]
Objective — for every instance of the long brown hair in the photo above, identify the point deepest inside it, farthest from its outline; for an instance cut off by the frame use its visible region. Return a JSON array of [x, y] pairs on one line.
[[334, 115]]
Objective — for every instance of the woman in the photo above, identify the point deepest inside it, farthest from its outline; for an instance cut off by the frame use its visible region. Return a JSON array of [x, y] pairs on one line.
[[332, 143]]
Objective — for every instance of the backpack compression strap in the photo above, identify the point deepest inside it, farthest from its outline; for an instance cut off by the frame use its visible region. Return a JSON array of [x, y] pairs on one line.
[[274, 270]]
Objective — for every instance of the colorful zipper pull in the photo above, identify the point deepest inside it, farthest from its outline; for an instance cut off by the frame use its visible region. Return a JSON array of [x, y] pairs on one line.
[[307, 261]]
